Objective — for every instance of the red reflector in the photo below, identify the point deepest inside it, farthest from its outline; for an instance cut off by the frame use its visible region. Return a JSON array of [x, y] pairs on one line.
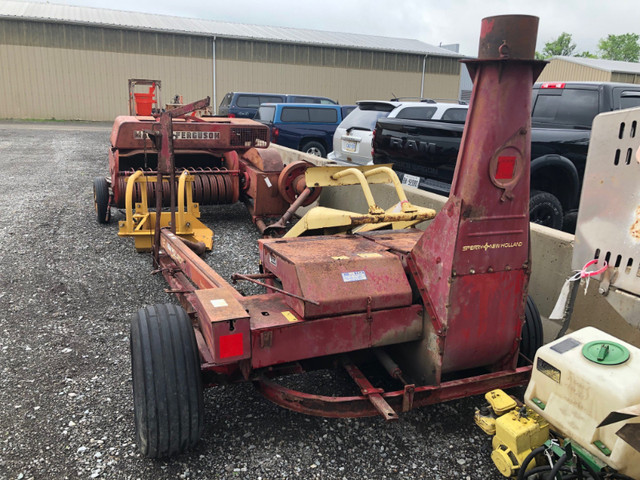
[[232, 115], [276, 132], [552, 85], [230, 345], [506, 165]]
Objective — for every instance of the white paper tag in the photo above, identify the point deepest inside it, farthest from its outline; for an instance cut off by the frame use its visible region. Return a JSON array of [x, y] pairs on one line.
[[219, 302], [354, 276], [558, 310], [267, 181]]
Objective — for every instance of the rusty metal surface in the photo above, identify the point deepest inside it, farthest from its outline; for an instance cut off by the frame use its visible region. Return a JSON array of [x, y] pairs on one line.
[[262, 190], [360, 406], [401, 242], [368, 390], [281, 335], [130, 133], [342, 273], [268, 160], [472, 264], [291, 183], [508, 36], [470, 267]]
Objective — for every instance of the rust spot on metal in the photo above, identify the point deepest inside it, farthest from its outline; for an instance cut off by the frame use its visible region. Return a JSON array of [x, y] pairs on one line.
[[635, 228]]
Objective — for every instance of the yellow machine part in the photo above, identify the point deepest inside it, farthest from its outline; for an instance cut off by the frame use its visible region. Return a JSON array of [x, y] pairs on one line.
[[401, 215], [500, 402], [518, 431], [140, 223]]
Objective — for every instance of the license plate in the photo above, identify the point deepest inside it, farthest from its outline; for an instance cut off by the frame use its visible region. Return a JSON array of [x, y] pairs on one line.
[[350, 146], [411, 180]]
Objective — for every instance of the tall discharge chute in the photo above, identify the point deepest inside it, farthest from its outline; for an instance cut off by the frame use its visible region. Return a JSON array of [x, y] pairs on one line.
[[472, 265]]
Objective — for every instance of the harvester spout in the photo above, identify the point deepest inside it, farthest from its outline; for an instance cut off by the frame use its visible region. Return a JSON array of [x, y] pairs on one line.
[[474, 284]]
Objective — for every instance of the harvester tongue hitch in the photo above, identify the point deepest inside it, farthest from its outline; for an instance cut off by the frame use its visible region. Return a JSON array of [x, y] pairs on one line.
[[442, 311]]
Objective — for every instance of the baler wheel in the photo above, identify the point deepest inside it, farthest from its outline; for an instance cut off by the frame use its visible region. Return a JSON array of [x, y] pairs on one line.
[[167, 386], [101, 199], [532, 334]]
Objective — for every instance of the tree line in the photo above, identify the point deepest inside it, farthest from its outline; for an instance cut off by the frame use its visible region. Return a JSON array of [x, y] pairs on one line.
[[625, 48]]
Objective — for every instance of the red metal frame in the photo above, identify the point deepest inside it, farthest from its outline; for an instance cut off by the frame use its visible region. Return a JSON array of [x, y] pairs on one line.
[[442, 302]]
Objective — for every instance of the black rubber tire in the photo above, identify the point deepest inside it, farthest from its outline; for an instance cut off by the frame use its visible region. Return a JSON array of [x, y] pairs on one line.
[[167, 385], [532, 334], [570, 221], [545, 209], [101, 199], [314, 148]]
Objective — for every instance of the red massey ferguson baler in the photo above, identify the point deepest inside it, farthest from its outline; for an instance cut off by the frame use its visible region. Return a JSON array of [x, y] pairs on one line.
[[445, 311]]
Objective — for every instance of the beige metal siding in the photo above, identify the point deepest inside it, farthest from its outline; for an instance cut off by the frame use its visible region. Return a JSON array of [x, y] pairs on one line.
[[347, 85], [562, 70], [625, 77], [80, 72], [68, 84]]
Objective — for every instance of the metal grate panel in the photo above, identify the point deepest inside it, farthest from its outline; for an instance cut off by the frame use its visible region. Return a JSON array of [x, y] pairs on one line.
[[249, 137], [609, 219]]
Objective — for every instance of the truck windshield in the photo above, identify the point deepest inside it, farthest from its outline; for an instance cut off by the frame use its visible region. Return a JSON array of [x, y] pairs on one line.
[[364, 118]]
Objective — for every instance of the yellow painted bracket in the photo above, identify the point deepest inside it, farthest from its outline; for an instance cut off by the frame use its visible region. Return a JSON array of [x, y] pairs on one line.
[[401, 215], [140, 223]]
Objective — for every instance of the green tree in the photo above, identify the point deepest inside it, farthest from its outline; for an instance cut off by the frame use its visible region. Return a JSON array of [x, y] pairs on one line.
[[620, 47], [586, 54], [560, 47]]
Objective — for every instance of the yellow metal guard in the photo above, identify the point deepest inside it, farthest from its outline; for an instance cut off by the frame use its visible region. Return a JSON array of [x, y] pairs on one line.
[[402, 215], [140, 223]]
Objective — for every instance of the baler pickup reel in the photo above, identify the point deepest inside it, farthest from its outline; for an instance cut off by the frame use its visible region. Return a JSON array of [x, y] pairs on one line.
[[401, 215]]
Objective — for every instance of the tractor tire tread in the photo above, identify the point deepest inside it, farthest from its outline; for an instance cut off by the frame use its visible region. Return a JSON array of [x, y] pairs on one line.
[[167, 386]]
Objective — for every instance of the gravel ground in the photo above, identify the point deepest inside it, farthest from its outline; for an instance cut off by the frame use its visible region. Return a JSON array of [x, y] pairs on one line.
[[68, 288]]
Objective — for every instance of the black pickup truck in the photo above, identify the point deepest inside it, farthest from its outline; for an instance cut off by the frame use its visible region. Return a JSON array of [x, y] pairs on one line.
[[424, 153]]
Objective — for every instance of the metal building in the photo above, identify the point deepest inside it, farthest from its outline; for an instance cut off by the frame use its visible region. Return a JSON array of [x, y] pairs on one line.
[[590, 70], [68, 62]]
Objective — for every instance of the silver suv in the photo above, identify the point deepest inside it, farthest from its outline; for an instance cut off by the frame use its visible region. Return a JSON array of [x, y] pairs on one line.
[[353, 137]]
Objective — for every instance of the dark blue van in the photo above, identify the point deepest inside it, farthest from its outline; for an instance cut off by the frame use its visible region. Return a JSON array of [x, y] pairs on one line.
[[245, 104], [302, 126]]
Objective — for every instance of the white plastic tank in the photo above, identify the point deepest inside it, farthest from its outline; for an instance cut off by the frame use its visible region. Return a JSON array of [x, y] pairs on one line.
[[577, 381]]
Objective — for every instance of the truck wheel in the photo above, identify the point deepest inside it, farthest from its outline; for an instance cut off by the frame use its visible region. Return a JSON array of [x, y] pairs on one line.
[[314, 148], [570, 221], [545, 209], [101, 199], [532, 334], [167, 387]]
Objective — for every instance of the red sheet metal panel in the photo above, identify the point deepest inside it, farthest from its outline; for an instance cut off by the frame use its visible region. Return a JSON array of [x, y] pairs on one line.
[[262, 187], [228, 338], [343, 274], [206, 133], [279, 335], [472, 264]]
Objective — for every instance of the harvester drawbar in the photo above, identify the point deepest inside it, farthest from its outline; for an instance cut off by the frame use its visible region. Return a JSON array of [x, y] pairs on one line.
[[445, 311]]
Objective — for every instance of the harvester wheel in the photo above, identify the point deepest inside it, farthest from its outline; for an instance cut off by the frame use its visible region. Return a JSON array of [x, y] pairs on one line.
[[101, 199], [532, 335], [167, 387]]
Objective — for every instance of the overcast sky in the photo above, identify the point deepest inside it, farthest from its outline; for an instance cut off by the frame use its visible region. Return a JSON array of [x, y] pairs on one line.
[[434, 22]]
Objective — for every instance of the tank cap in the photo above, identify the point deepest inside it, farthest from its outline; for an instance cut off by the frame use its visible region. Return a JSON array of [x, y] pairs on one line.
[[605, 352]]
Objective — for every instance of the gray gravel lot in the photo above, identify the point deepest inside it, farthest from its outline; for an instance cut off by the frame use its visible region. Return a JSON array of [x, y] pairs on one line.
[[68, 288]]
